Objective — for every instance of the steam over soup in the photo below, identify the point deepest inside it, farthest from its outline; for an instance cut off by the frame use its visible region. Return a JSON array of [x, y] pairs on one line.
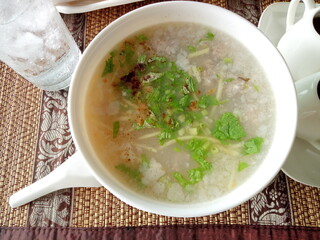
[[180, 112]]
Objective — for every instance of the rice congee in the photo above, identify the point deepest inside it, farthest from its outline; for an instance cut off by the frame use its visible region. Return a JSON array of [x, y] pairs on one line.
[[180, 112]]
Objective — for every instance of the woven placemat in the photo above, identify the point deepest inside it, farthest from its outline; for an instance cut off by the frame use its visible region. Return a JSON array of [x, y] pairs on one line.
[[20, 105], [305, 201], [29, 117], [97, 20]]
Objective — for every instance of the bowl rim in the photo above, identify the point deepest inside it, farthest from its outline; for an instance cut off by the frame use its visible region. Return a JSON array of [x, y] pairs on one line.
[[160, 207]]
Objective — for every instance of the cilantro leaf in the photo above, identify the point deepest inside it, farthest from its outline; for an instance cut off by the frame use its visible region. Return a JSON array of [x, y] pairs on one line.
[[228, 127], [130, 172], [253, 145], [142, 38], [208, 37], [242, 166], [207, 101], [109, 65], [195, 175], [200, 149]]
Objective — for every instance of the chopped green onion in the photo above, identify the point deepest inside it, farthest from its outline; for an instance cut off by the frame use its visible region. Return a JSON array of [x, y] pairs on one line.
[[198, 53], [214, 150], [228, 60], [192, 48], [116, 127], [181, 132], [229, 80], [191, 84], [193, 131], [181, 179], [200, 69], [204, 112], [196, 73]]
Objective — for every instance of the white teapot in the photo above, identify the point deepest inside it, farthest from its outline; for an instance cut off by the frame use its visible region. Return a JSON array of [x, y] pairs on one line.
[[300, 47]]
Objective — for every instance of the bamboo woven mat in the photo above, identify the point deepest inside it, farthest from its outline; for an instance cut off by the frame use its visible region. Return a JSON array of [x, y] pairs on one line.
[[33, 124], [20, 105]]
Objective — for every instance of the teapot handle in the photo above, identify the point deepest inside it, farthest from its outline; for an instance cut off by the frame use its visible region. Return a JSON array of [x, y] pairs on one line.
[[309, 5], [72, 173], [308, 93]]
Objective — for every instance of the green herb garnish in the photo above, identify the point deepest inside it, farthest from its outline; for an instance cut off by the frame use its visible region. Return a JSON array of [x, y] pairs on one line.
[[116, 127], [229, 80], [192, 48], [145, 162], [142, 59], [228, 60], [191, 83], [128, 53], [242, 166], [208, 37], [181, 179], [130, 172], [253, 145], [168, 92], [109, 65], [142, 38], [200, 149], [206, 101], [228, 127], [195, 175], [167, 98]]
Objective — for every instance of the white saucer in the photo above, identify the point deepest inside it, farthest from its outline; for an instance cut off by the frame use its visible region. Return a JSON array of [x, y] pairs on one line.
[[303, 162], [81, 6]]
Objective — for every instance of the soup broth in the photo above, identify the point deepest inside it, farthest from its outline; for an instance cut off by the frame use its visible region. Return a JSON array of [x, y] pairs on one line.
[[180, 112]]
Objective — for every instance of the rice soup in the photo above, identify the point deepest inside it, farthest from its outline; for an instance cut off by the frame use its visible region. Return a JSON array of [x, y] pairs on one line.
[[180, 112]]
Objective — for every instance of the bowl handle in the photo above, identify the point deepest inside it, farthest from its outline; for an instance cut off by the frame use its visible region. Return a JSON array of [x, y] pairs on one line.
[[72, 173]]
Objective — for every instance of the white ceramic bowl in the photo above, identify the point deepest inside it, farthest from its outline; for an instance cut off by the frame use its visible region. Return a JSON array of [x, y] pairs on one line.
[[217, 18]]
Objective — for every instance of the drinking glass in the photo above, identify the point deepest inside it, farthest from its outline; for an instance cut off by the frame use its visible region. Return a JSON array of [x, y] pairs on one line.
[[35, 42]]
